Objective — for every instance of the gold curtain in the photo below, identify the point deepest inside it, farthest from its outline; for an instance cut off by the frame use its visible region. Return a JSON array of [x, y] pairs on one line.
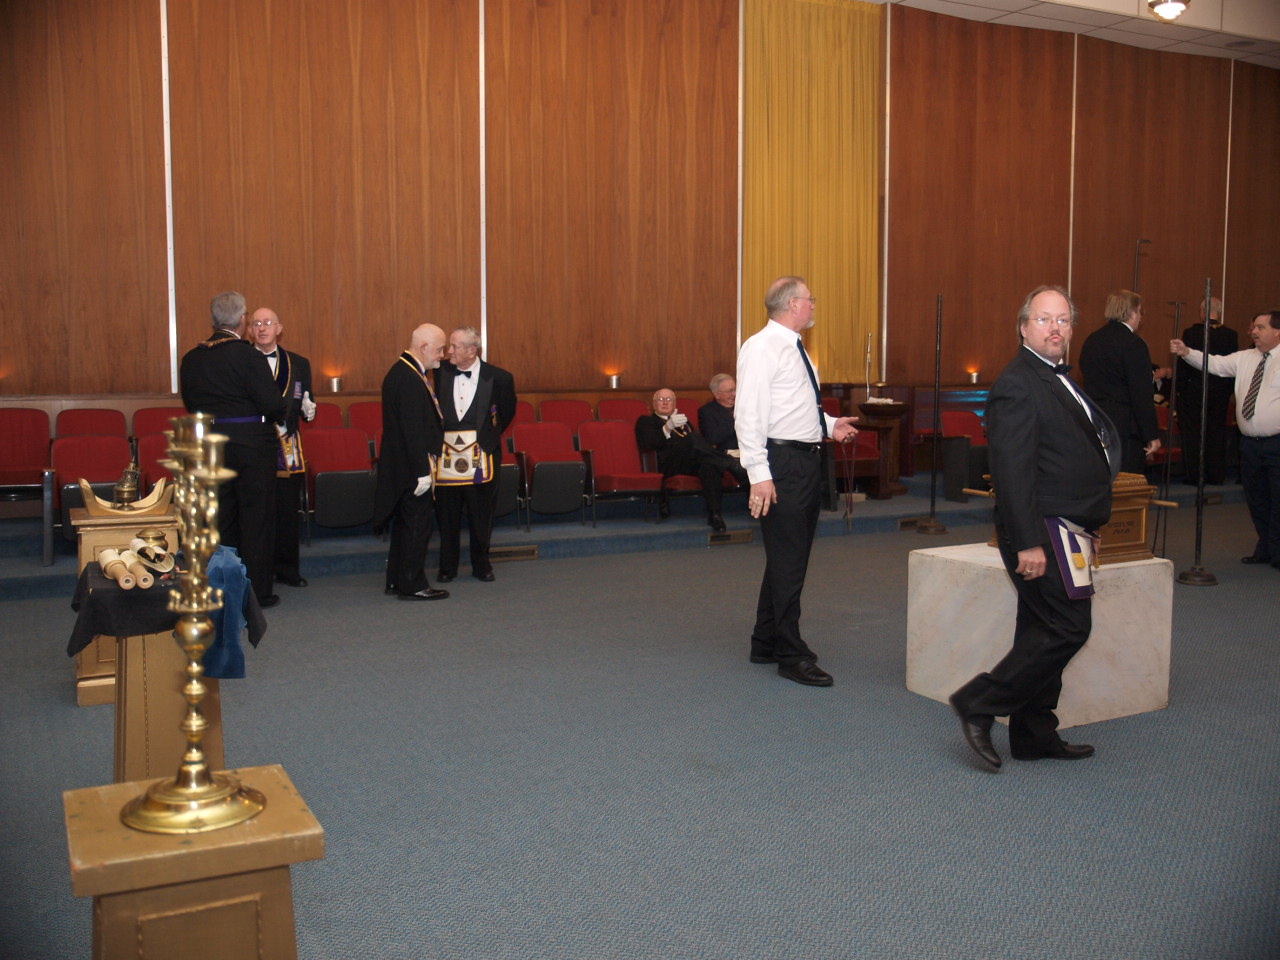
[[811, 182]]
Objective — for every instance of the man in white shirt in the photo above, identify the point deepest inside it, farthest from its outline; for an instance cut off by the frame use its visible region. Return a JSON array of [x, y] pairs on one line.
[[1258, 416], [780, 425]]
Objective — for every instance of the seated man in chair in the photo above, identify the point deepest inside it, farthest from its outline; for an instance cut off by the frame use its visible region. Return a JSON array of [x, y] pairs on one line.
[[682, 450]]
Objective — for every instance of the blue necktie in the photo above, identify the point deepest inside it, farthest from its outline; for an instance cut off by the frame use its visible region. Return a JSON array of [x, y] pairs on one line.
[[813, 379]]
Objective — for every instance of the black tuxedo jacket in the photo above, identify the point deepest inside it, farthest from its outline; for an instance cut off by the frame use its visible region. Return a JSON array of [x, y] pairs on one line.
[[293, 379], [1222, 341], [411, 435], [227, 377], [492, 410], [1116, 365], [676, 455], [1048, 459], [716, 423]]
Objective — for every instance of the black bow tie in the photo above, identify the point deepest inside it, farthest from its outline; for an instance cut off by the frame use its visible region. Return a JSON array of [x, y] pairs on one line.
[[272, 355], [465, 373], [1062, 368]]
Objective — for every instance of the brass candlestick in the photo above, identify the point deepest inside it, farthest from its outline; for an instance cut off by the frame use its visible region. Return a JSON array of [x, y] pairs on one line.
[[196, 800]]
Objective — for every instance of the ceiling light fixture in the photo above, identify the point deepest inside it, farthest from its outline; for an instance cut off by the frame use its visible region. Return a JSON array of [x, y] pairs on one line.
[[1168, 10]]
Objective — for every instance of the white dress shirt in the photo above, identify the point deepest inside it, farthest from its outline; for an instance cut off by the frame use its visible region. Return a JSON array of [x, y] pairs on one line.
[[1241, 364], [775, 398], [464, 389]]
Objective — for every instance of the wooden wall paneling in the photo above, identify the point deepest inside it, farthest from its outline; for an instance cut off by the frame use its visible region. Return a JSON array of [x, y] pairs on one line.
[[612, 190], [326, 164], [82, 224], [1151, 163], [979, 186], [1252, 283]]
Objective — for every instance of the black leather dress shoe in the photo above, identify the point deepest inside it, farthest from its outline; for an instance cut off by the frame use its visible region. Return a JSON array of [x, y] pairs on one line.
[[1252, 559], [977, 733], [763, 658], [390, 591], [1059, 751], [806, 672], [717, 522], [268, 601], [445, 578], [485, 577], [292, 581], [427, 594]]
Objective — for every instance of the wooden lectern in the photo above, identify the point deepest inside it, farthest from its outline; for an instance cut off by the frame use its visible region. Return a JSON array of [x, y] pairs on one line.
[[221, 895]]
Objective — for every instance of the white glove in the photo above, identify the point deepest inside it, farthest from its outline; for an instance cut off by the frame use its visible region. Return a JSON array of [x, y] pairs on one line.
[[675, 422], [281, 430], [308, 406], [424, 484]]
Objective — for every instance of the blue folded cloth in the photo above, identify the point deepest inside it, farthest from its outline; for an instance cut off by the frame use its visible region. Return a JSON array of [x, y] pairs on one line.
[[224, 660]]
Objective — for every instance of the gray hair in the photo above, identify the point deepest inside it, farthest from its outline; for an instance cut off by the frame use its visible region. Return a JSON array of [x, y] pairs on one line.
[[227, 310], [1024, 312], [781, 292], [718, 379]]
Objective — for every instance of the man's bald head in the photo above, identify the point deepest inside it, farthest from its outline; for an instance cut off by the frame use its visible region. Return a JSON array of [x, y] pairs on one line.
[[427, 344]]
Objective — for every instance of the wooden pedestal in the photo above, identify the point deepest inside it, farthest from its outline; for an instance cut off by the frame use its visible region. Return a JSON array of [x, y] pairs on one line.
[[150, 708], [222, 895], [96, 664]]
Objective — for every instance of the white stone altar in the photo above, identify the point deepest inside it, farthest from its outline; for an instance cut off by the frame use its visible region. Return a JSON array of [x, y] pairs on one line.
[[960, 618]]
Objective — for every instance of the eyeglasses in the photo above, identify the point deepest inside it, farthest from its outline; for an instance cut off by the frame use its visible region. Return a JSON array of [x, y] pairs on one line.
[[1054, 321], [664, 399], [262, 323], [813, 300]]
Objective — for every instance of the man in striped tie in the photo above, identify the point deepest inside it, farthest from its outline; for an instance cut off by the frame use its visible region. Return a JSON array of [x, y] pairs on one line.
[[1258, 416]]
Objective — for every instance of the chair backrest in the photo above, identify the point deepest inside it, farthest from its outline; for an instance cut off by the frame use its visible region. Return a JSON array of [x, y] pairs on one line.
[[366, 415], [79, 421], [152, 448], [569, 412], [155, 419], [626, 409], [613, 446], [24, 445], [964, 423], [328, 417], [542, 442], [524, 412], [93, 457], [831, 406], [336, 448]]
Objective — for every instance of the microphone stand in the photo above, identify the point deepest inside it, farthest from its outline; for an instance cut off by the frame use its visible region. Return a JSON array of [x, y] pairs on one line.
[[1198, 576], [932, 524], [1160, 535], [1137, 250]]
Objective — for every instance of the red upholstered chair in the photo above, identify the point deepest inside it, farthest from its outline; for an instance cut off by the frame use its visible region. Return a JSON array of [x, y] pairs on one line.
[[524, 414], [626, 409], [552, 472], [93, 457], [572, 413], [152, 448], [367, 416], [328, 417], [24, 447], [340, 478], [1170, 446], [964, 453], [689, 408], [613, 463], [155, 419], [78, 421]]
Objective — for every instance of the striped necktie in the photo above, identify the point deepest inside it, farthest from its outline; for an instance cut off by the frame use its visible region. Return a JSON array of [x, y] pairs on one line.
[[1255, 385]]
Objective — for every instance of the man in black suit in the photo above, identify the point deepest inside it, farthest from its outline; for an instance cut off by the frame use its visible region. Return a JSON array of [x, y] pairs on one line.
[[292, 373], [478, 402], [411, 441], [1222, 341], [1052, 456], [225, 377], [715, 419], [1116, 365], [683, 451]]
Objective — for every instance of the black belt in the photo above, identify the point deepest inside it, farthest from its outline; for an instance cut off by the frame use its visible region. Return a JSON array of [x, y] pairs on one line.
[[796, 445], [239, 419]]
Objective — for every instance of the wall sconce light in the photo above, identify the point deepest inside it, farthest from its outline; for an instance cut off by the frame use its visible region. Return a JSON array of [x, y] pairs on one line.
[[615, 381], [1168, 10], [335, 384], [973, 376]]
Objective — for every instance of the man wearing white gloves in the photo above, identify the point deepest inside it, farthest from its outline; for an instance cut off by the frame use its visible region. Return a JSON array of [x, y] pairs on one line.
[[412, 437], [683, 451], [292, 374]]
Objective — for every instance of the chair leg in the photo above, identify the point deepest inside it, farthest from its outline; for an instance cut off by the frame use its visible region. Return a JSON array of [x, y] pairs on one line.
[[46, 512]]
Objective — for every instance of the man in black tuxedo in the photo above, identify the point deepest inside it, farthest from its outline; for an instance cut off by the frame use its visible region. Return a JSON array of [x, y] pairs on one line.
[[225, 377], [474, 397], [292, 373], [683, 451], [1116, 365], [411, 441], [715, 419], [1222, 341], [1053, 454]]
